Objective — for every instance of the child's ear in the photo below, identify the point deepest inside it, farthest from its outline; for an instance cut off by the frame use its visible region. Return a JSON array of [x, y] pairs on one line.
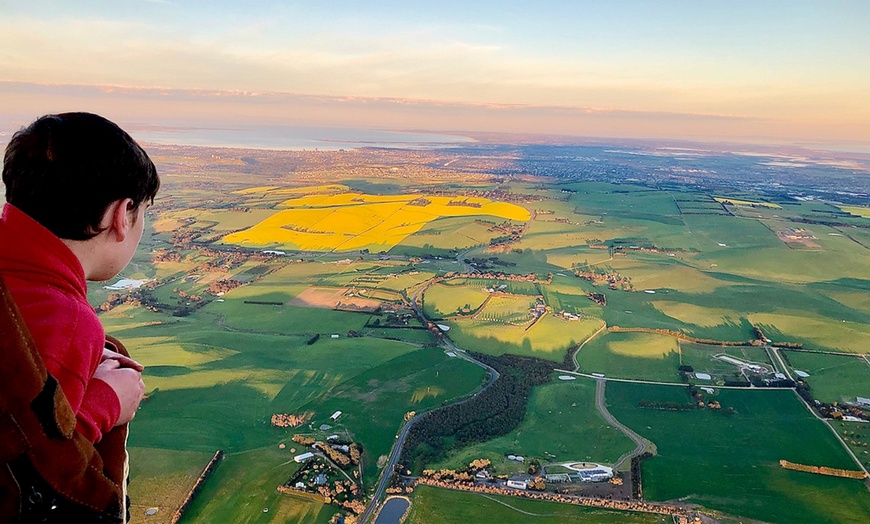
[[120, 218]]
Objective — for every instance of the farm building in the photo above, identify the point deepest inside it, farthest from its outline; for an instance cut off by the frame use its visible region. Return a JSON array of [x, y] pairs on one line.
[[519, 482], [599, 474], [863, 402], [335, 415], [303, 457]]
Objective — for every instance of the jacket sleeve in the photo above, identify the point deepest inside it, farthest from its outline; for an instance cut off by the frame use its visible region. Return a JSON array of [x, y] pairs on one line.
[[99, 410]]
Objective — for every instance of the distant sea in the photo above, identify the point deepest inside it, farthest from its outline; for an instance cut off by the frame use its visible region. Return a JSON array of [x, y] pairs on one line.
[[291, 137]]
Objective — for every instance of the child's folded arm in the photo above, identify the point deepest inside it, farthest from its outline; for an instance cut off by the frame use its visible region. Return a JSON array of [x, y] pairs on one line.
[[99, 411]]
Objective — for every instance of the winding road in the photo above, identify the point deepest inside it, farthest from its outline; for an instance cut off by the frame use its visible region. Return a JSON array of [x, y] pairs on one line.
[[602, 408], [388, 470]]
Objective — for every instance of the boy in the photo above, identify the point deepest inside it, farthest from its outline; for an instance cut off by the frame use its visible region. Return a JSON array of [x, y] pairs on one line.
[[77, 187]]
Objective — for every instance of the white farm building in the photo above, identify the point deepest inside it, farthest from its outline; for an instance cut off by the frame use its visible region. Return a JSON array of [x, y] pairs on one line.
[[303, 457]]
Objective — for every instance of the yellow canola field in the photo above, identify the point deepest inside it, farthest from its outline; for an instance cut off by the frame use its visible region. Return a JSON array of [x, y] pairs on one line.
[[342, 199], [351, 221]]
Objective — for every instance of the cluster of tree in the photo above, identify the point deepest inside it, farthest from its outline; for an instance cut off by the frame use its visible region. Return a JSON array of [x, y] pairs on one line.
[[224, 285], [598, 275], [303, 440], [487, 263], [598, 298], [449, 474], [285, 420], [164, 255], [496, 411], [353, 456], [479, 464]]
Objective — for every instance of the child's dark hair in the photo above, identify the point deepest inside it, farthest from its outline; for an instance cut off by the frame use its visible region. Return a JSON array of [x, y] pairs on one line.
[[64, 170]]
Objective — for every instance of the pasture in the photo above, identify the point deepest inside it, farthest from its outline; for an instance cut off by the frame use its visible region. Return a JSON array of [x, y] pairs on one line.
[[161, 478], [430, 504], [374, 402], [243, 485], [730, 463], [549, 338], [833, 378], [561, 424], [450, 298], [632, 355]]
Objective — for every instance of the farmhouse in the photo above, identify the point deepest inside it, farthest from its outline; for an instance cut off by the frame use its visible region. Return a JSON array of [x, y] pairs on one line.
[[303, 457]]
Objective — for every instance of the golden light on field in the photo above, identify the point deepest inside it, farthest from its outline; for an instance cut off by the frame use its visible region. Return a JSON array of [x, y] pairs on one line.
[[330, 218], [860, 211], [736, 202]]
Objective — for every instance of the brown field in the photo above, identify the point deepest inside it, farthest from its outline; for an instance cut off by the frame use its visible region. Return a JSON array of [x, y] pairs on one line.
[[334, 298], [322, 297], [807, 242]]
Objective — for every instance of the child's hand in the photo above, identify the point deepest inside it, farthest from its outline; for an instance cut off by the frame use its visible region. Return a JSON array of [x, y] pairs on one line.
[[126, 383], [125, 362]]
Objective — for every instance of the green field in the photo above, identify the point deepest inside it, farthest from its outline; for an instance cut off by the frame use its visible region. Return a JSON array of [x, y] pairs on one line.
[[441, 505], [446, 299], [833, 378], [561, 425], [243, 485], [731, 463], [374, 402], [632, 355], [161, 478], [549, 338], [856, 435]]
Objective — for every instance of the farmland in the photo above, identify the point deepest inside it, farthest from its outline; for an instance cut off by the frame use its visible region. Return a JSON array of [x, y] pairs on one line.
[[293, 294], [833, 378], [561, 425], [731, 462]]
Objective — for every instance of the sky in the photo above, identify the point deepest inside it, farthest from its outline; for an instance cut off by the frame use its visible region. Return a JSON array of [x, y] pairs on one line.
[[779, 71]]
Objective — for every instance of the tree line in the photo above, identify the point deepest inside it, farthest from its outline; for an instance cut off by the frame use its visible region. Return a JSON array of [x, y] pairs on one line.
[[496, 411]]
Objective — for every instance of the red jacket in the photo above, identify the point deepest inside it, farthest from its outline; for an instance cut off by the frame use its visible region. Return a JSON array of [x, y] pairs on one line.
[[48, 284]]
